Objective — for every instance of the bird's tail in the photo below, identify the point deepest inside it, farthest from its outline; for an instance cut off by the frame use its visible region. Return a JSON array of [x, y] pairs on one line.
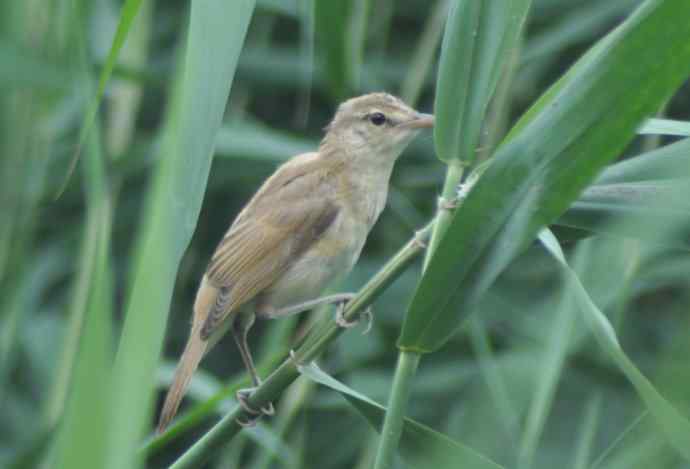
[[192, 355]]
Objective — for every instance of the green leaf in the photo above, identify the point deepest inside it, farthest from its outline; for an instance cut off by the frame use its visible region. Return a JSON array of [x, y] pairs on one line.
[[214, 44], [551, 155], [674, 426], [670, 161], [656, 126], [87, 360], [588, 432], [551, 366], [478, 41], [340, 33], [649, 210], [419, 443], [127, 15], [577, 27]]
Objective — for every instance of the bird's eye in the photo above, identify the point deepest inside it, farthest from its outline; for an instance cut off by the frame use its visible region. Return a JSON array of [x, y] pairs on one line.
[[377, 118]]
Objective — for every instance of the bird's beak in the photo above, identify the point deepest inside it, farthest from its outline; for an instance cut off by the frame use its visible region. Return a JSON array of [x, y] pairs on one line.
[[421, 121]]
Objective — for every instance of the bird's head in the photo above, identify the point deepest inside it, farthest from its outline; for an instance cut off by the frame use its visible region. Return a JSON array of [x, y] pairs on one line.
[[376, 125]]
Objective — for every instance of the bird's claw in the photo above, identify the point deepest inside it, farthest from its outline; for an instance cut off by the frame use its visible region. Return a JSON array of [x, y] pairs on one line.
[[242, 397], [341, 321]]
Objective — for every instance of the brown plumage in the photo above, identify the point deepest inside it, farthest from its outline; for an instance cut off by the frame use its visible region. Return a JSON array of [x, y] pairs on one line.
[[304, 227]]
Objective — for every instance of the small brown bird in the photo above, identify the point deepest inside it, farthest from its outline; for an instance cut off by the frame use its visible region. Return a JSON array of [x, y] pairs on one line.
[[302, 230]]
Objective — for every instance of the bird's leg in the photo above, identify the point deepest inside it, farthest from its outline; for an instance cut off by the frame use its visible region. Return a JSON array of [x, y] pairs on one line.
[[340, 299], [240, 327]]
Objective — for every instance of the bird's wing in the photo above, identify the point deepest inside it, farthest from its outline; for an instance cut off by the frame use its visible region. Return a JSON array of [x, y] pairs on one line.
[[288, 214]]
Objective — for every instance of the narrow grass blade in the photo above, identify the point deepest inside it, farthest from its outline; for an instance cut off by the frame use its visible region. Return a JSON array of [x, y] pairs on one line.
[[128, 13], [656, 126], [419, 443], [588, 432], [674, 426], [214, 44], [551, 368], [625, 434], [547, 160], [125, 96], [478, 40]]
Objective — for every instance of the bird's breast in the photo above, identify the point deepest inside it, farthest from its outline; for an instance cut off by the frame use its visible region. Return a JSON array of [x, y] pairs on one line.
[[360, 202], [328, 259]]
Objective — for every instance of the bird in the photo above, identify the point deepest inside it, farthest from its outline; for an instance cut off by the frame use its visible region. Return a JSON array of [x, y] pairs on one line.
[[303, 230]]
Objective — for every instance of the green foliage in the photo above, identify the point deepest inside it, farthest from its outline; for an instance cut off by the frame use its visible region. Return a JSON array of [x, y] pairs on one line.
[[84, 428], [576, 355], [129, 13], [672, 424], [422, 445], [479, 38], [172, 210], [547, 160]]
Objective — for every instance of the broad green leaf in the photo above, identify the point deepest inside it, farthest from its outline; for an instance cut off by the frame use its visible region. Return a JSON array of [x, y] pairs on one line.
[[419, 443], [548, 159], [626, 217], [128, 13], [635, 210], [81, 439], [670, 161], [576, 27], [213, 46], [674, 426], [672, 127], [478, 41], [340, 33]]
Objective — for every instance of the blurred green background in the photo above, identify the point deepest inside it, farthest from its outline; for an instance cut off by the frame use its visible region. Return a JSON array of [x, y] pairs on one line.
[[523, 382]]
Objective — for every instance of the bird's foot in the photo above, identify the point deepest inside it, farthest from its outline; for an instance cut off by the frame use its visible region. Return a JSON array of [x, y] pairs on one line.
[[342, 321], [242, 397]]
